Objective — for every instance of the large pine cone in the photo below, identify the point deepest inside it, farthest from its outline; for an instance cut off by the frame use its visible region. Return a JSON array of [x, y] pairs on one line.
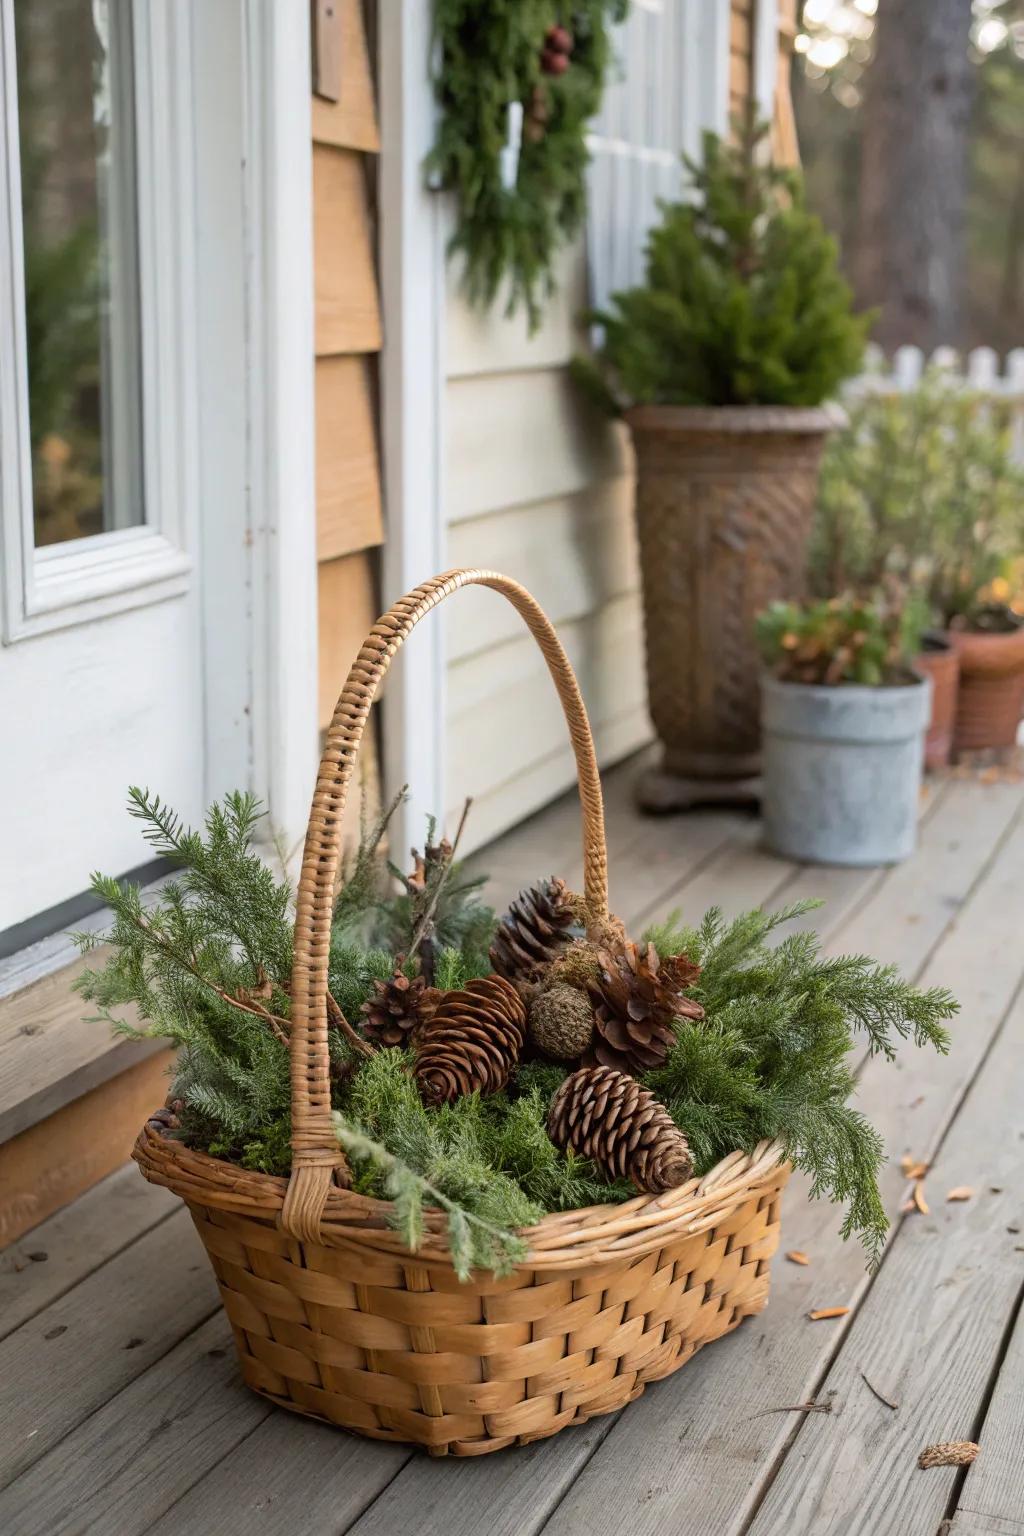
[[636, 997], [537, 927], [607, 1116], [398, 1006], [473, 1041]]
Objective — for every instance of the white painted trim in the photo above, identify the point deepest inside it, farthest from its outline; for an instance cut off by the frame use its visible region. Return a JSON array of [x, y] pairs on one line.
[[90, 578], [279, 215], [412, 266], [713, 17], [765, 56]]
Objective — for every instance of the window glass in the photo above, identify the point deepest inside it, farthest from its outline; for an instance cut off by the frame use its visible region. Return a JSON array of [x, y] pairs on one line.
[[76, 118]]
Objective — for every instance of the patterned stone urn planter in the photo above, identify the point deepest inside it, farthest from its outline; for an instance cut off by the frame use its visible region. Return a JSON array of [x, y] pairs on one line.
[[725, 497]]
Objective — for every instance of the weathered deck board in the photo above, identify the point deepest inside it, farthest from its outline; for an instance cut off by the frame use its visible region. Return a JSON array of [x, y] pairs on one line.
[[291, 1477], [648, 858], [163, 1438], [982, 1525], [929, 1336], [696, 1450], [76, 1241], [645, 1459], [994, 1488], [126, 1464], [921, 896], [72, 1357], [740, 876]]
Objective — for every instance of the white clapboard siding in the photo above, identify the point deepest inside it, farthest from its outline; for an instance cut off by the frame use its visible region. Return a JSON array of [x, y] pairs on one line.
[[513, 438], [670, 81], [491, 341], [535, 481], [574, 553], [507, 740]]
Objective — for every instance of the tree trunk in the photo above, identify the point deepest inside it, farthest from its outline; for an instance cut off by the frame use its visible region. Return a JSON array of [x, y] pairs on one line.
[[914, 172]]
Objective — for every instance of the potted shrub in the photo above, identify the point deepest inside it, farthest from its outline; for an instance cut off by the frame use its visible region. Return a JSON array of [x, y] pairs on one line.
[[844, 718], [418, 1141], [720, 364], [923, 485]]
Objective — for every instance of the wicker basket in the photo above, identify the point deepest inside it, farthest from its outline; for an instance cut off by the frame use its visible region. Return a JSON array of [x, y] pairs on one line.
[[333, 1318]]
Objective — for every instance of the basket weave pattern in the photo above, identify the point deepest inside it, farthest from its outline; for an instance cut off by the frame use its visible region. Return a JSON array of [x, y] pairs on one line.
[[332, 1317]]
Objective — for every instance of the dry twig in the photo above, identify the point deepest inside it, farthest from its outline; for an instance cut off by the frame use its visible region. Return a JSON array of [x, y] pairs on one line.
[[880, 1395]]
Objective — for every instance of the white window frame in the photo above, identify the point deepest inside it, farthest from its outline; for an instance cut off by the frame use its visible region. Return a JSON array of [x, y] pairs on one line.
[[70, 583]]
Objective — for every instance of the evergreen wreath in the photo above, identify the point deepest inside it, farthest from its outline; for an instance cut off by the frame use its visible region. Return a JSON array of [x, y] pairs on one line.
[[731, 1037], [551, 57]]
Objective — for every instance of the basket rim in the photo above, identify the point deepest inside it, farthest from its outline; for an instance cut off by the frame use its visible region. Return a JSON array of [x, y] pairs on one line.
[[561, 1240]]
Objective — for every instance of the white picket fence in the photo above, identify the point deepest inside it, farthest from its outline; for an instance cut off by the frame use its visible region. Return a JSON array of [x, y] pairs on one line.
[[981, 369]]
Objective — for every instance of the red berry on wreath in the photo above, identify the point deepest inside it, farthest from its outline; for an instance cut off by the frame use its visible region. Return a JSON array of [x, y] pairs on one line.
[[553, 63], [558, 40]]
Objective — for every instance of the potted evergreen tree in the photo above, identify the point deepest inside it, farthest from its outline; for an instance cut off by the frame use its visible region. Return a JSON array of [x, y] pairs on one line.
[[923, 486], [844, 718], [720, 364]]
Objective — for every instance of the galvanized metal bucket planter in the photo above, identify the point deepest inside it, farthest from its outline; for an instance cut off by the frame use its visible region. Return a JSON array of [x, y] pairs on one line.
[[842, 770]]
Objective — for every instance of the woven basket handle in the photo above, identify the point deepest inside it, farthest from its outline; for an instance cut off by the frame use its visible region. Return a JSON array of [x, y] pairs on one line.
[[315, 1151]]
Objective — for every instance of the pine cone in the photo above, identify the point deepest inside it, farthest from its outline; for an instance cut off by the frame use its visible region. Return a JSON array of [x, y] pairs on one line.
[[473, 1041], [607, 1116], [537, 927], [398, 1006], [635, 1000]]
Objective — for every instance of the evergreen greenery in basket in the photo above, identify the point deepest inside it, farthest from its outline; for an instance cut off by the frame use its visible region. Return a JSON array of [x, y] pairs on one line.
[[693, 1043]]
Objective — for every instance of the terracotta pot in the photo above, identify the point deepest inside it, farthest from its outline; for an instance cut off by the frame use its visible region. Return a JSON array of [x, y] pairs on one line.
[[725, 498], [940, 660], [991, 697]]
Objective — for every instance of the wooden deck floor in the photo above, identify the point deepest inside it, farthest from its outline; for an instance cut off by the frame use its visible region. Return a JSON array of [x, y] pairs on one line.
[[120, 1408]]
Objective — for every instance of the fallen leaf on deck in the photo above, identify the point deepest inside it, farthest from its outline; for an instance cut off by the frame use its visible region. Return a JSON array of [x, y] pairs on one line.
[[796, 1257], [919, 1200], [820, 1313], [961, 1192], [913, 1167], [948, 1453]]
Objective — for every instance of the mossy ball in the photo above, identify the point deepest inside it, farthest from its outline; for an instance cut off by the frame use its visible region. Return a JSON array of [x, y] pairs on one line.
[[577, 966], [561, 1022]]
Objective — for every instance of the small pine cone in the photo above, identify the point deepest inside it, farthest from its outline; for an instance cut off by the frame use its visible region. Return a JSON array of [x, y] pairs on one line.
[[607, 1116], [561, 1022], [398, 1006], [472, 1042], [679, 971], [537, 927], [635, 1002]]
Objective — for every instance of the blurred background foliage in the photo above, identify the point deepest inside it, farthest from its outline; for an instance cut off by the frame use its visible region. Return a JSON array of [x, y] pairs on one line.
[[842, 86]]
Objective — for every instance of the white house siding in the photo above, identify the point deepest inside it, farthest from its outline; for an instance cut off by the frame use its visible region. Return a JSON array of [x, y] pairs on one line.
[[540, 486]]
